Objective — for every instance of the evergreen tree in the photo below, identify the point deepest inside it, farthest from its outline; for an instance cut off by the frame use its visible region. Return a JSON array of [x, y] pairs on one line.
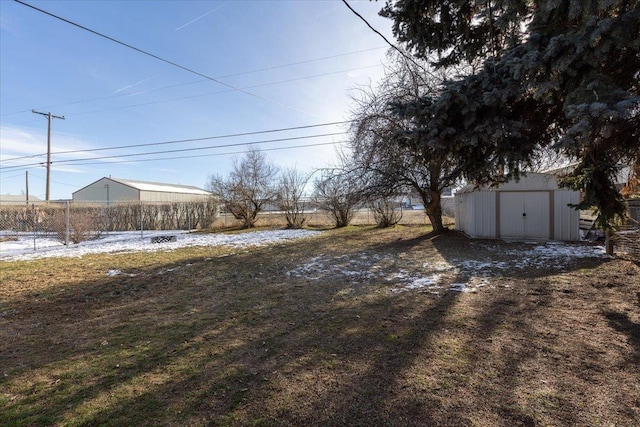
[[556, 73]]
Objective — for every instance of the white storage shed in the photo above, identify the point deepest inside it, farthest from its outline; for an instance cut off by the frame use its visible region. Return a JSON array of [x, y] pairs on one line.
[[532, 208], [128, 190]]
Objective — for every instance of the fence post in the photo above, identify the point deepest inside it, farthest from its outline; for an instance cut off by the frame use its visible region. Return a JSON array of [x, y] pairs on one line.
[[33, 225], [141, 222], [608, 242], [67, 224]]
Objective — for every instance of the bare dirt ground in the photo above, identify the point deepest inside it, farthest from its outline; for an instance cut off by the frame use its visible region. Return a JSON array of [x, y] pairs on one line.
[[358, 327]]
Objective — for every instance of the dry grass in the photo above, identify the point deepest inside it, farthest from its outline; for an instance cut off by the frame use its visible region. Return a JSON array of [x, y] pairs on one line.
[[322, 219], [315, 333]]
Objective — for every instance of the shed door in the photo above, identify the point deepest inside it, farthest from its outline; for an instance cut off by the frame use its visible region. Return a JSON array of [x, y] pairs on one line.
[[525, 214]]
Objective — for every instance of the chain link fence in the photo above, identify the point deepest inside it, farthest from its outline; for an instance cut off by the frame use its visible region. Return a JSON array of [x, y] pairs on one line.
[[73, 222], [627, 235], [634, 211]]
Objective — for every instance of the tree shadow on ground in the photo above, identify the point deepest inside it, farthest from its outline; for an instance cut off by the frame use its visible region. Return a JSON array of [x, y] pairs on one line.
[[622, 323], [151, 346], [238, 341], [505, 259]]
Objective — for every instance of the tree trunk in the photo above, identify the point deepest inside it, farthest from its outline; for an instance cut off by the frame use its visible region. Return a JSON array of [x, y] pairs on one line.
[[609, 242], [433, 209], [250, 221]]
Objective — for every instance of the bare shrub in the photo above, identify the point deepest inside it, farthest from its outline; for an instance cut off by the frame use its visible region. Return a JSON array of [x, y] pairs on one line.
[[250, 186], [290, 199], [84, 224], [339, 193], [387, 212]]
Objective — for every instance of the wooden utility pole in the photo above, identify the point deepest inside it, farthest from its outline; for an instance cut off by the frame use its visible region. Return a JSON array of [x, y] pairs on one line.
[[49, 116], [27, 185]]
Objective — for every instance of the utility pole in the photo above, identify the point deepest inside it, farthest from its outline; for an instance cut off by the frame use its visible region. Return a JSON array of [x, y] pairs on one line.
[[27, 184], [49, 116]]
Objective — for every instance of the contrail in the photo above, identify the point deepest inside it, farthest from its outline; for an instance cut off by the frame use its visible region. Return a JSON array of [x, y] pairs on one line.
[[200, 17], [134, 84]]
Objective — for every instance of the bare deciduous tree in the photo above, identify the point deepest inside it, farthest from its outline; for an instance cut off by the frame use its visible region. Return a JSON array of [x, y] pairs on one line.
[[388, 145], [339, 193], [251, 184], [546, 158], [290, 197]]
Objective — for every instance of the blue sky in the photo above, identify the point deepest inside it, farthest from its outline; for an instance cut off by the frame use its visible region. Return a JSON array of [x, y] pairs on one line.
[[284, 64]]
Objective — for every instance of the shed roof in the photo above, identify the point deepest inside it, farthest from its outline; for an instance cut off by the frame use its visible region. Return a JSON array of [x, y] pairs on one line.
[[537, 179], [161, 187], [155, 186]]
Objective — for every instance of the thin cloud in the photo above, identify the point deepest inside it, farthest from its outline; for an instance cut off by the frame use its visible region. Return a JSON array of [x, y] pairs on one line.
[[200, 17], [31, 146], [134, 84], [69, 169], [328, 12], [16, 142]]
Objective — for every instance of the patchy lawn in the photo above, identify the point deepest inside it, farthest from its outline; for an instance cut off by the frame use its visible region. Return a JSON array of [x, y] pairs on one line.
[[349, 327]]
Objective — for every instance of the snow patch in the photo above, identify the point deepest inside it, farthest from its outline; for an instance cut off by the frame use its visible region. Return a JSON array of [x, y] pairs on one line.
[[467, 275], [420, 283], [431, 276], [23, 248]]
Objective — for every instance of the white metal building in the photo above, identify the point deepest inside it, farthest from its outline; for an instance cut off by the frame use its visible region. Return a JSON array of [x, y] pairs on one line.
[[532, 208], [128, 190], [19, 199]]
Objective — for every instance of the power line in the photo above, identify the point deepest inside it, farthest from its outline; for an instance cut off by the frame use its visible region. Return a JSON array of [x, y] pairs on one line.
[[219, 92], [373, 29], [206, 93], [183, 150], [407, 57], [18, 167], [206, 80], [91, 162], [232, 135], [144, 52], [319, 144], [304, 62], [14, 176]]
